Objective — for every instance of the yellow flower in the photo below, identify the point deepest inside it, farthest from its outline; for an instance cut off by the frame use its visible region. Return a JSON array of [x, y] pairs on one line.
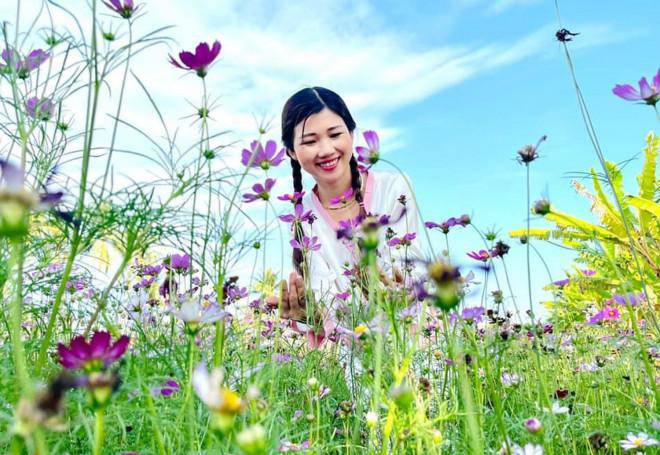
[[360, 329]]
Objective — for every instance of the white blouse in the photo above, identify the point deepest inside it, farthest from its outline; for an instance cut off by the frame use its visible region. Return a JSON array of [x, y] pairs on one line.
[[381, 196]]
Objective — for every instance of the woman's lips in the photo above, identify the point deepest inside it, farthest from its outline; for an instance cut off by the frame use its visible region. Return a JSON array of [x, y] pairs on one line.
[[329, 165]]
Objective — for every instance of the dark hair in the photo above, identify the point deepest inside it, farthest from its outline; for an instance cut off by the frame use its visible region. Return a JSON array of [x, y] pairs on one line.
[[298, 108]]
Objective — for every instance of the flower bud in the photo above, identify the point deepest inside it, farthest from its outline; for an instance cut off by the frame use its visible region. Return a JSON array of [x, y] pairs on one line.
[[252, 440]]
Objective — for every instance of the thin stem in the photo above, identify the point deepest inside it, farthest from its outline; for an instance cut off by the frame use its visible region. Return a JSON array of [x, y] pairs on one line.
[[98, 431]]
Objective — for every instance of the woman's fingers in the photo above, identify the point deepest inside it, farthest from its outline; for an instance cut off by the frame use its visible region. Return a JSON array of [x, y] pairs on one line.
[[300, 289], [285, 309], [294, 304]]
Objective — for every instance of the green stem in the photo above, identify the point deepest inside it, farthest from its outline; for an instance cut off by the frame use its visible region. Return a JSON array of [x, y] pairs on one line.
[[17, 259], [98, 431]]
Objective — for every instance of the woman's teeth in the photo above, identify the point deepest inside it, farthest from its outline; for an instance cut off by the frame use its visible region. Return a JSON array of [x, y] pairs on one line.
[[329, 164]]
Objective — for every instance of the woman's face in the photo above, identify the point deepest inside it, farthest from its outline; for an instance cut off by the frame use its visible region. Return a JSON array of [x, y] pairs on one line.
[[324, 148]]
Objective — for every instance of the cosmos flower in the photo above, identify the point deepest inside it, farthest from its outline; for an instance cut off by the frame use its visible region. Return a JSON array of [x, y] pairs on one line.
[[16, 200], [649, 94], [342, 198], [609, 313], [262, 157], [629, 298], [195, 312], [23, 66], [293, 198], [370, 154], [223, 402], [260, 191], [510, 379], [200, 60], [125, 10], [298, 216], [402, 241], [95, 355], [637, 441], [473, 314], [481, 255], [40, 108], [178, 262], [169, 387], [308, 243]]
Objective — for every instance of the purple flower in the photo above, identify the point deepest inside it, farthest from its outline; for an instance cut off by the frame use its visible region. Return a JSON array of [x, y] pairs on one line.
[[527, 154], [343, 198], [649, 94], [345, 229], [126, 10], [298, 216], [343, 295], [609, 313], [293, 198], [200, 60], [260, 191], [40, 108], [403, 241], [561, 283], [258, 156], [369, 154], [473, 314], [628, 298], [168, 388], [482, 255], [308, 244], [178, 262], [23, 66], [95, 355], [588, 272], [533, 425], [463, 221]]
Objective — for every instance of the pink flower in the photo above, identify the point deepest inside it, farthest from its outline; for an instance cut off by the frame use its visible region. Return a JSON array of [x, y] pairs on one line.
[[126, 10], [308, 244], [649, 94], [258, 156], [293, 198], [95, 355], [403, 241], [200, 60], [260, 191], [370, 154], [298, 216], [343, 198], [482, 255]]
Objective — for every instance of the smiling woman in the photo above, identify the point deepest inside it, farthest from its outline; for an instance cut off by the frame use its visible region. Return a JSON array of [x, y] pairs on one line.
[[318, 132]]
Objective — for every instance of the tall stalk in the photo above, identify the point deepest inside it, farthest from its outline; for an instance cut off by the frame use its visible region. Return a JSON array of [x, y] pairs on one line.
[[92, 105]]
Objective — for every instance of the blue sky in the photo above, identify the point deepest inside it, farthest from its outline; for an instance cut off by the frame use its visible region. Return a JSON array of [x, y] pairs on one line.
[[453, 87]]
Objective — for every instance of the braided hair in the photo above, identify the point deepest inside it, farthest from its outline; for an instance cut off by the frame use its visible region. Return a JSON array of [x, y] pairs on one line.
[[298, 108]]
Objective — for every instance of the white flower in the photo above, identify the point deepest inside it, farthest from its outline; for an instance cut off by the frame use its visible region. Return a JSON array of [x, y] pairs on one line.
[[638, 441], [192, 311], [557, 408], [372, 419], [529, 449], [209, 388]]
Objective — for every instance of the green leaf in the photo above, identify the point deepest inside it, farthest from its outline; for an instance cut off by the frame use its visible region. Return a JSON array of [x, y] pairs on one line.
[[646, 179]]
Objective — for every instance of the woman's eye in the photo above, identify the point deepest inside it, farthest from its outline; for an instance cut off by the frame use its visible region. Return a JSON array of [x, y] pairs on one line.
[[335, 135], [308, 142]]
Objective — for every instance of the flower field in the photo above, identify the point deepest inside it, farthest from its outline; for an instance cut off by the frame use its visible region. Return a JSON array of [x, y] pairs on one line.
[[131, 323]]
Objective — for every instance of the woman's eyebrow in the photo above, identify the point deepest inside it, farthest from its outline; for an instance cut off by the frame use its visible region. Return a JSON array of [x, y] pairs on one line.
[[314, 134]]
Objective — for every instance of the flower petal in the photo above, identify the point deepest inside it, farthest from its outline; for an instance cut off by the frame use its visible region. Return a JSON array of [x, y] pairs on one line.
[[645, 91], [627, 92], [118, 349], [188, 59], [99, 344]]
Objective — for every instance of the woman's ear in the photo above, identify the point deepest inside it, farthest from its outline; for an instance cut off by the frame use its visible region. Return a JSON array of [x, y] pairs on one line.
[[291, 154]]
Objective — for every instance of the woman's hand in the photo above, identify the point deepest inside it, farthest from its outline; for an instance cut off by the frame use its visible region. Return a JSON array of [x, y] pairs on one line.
[[292, 299]]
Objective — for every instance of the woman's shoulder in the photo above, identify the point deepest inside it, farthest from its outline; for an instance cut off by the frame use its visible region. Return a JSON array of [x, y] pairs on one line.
[[390, 183]]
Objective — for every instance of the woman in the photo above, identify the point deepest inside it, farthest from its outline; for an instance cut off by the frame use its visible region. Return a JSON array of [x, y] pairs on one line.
[[317, 131]]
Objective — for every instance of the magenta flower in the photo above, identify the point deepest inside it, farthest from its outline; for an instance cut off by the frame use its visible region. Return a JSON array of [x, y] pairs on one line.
[[308, 243], [343, 295], [40, 109], [343, 198], [258, 156], [260, 191], [125, 10], [298, 216], [561, 283], [178, 262], [293, 198], [648, 94], [609, 313], [200, 60], [482, 255], [23, 66], [463, 221], [403, 241], [371, 153], [95, 355], [533, 425]]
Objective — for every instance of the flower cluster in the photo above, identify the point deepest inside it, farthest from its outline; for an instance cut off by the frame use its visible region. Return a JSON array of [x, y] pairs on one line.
[[23, 66]]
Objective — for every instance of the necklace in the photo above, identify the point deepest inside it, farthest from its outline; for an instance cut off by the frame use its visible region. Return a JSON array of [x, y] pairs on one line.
[[342, 206]]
